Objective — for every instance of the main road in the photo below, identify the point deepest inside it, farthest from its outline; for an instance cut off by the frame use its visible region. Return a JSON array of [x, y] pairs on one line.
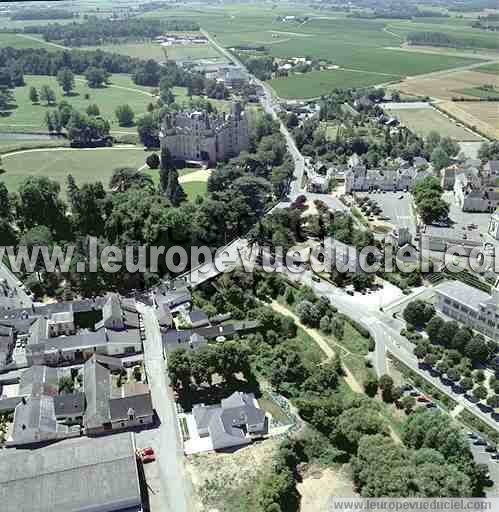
[[175, 484], [269, 104]]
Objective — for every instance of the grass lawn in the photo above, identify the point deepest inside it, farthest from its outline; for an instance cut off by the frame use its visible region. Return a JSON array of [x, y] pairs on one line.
[[194, 189], [423, 121], [85, 165], [316, 83], [29, 117], [18, 41]]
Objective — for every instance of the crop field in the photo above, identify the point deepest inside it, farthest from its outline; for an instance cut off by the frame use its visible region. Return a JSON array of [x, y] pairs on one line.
[[423, 121], [447, 86], [367, 46], [479, 92], [492, 69], [323, 82], [482, 114], [29, 117], [151, 50]]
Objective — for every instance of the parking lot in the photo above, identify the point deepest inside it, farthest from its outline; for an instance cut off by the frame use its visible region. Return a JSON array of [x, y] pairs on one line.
[[396, 206]]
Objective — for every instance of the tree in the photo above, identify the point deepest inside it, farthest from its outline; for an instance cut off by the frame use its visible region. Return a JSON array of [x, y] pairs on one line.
[[124, 178], [447, 332], [96, 77], [408, 403], [165, 93], [47, 94], [66, 80], [93, 110], [386, 386], [148, 130], [477, 350], [125, 115], [179, 368], [418, 313], [174, 191], [5, 204], [480, 393], [371, 385], [433, 329], [439, 158], [33, 95], [466, 383], [66, 385], [153, 161]]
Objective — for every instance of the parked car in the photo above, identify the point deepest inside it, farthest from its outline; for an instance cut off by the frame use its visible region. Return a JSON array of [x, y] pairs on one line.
[[422, 398], [147, 458], [316, 279], [490, 449], [479, 442]]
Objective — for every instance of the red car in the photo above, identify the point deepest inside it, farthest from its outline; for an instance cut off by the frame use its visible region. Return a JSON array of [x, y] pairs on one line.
[[148, 458], [147, 451], [422, 399]]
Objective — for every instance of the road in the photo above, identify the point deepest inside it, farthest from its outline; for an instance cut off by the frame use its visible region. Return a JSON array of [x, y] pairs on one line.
[[20, 298], [269, 105], [171, 455]]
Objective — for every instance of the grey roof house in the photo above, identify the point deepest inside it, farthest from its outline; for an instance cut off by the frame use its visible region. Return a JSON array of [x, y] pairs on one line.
[[235, 422]]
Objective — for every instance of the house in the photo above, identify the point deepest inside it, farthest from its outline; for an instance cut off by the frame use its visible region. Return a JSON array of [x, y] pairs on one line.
[[490, 173], [105, 412], [470, 306], [71, 476], [235, 422], [7, 344]]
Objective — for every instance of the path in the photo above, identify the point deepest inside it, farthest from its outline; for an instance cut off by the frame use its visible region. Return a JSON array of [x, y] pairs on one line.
[[35, 150], [122, 87], [323, 344], [60, 46], [201, 175]]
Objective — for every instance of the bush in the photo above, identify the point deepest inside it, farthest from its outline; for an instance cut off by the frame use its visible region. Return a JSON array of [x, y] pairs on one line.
[[153, 161]]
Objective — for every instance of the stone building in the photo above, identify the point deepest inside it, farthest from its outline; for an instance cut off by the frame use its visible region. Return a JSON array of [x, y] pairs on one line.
[[205, 137]]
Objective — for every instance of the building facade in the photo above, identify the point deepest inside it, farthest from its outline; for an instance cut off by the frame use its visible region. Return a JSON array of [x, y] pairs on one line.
[[471, 307], [205, 137]]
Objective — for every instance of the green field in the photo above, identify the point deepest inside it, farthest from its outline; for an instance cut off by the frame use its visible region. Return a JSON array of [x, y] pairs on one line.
[[19, 41], [29, 117], [317, 83], [492, 69], [194, 189], [86, 165], [423, 121]]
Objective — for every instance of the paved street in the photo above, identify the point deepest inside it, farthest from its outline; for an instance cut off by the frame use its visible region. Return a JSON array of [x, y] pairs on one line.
[[175, 486], [20, 299]]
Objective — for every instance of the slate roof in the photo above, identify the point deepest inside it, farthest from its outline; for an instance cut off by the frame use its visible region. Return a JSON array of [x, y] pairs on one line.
[[39, 380], [72, 476], [228, 423], [97, 389], [69, 404], [141, 405]]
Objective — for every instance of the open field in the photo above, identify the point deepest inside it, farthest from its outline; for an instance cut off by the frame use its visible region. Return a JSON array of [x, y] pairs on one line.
[[482, 114], [29, 117], [449, 85], [195, 189], [479, 92], [423, 121], [86, 165], [317, 83], [19, 41], [493, 69]]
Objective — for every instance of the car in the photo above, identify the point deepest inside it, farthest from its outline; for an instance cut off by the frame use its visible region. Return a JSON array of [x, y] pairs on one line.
[[407, 387], [479, 442], [471, 435], [430, 405], [350, 292], [490, 449], [414, 393], [316, 279], [422, 398], [148, 451], [146, 459], [401, 197]]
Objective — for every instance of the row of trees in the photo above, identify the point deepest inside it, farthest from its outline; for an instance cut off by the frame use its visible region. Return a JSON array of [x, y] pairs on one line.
[[99, 31]]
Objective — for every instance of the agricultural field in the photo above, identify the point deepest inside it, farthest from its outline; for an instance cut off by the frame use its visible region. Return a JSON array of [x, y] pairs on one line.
[[492, 69], [424, 120], [323, 82], [447, 86], [482, 114], [121, 90], [23, 41]]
